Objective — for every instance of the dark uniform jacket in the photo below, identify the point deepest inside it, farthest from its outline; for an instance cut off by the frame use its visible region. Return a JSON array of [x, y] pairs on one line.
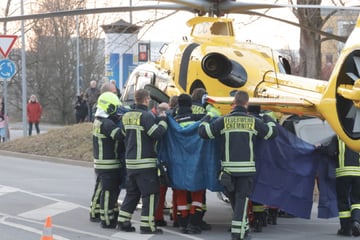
[[141, 132], [107, 144], [238, 131], [347, 161], [185, 116], [198, 108]]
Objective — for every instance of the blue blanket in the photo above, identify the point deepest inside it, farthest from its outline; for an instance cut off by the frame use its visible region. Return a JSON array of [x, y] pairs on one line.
[[286, 169]]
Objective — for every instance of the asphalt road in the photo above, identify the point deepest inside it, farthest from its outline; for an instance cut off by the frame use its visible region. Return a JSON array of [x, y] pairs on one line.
[[16, 129], [31, 190], [34, 187]]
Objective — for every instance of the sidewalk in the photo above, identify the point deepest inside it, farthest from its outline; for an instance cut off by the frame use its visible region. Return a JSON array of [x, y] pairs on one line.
[[16, 129]]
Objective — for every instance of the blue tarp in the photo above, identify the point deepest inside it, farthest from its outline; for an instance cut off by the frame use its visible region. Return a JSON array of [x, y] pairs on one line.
[[193, 163], [286, 169]]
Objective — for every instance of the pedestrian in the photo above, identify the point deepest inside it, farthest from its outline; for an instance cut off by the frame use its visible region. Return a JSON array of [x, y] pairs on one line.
[[142, 130], [347, 185], [237, 132], [118, 93], [81, 109], [91, 95], [34, 112], [108, 148], [3, 123], [189, 203]]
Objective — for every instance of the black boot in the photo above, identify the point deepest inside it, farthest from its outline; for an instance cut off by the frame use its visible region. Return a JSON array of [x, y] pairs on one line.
[[258, 222], [355, 228], [272, 218], [126, 226], [265, 215], [95, 218], [193, 226], [183, 222], [345, 229], [204, 225], [111, 225], [236, 236]]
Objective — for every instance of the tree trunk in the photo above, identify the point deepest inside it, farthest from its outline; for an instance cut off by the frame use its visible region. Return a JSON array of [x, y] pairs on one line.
[[310, 55], [310, 42]]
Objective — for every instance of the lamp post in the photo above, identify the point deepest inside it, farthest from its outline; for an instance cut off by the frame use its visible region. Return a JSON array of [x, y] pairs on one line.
[[77, 57], [23, 71]]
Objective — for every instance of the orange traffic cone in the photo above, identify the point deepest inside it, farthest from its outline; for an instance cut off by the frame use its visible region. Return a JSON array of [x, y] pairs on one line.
[[47, 232]]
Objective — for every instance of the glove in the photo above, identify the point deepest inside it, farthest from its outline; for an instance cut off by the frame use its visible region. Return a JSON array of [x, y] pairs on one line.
[[162, 118], [204, 100], [266, 118], [208, 117], [226, 180]]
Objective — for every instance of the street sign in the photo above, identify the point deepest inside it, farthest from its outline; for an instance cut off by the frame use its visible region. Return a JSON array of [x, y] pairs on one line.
[[6, 43], [7, 68]]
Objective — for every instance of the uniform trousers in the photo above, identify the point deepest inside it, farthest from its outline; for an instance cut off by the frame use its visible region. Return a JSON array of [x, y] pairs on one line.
[[109, 209], [348, 196], [144, 184], [238, 196]]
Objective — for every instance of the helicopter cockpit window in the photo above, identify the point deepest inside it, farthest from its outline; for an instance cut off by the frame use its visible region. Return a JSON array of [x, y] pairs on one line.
[[219, 28], [211, 28]]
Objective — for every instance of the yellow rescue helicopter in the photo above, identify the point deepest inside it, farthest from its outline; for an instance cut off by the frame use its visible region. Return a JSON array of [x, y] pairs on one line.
[[212, 58]]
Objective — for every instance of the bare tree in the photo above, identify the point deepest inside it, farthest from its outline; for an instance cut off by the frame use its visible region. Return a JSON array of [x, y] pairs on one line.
[[311, 40], [51, 64]]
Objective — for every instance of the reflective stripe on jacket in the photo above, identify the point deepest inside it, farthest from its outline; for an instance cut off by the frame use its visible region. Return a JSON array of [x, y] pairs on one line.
[[108, 144], [238, 131], [141, 132], [348, 161]]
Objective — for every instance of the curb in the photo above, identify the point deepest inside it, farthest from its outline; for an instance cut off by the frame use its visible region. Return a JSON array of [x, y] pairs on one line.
[[46, 158]]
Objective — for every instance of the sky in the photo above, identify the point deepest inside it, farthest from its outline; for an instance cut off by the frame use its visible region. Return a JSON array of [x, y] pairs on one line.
[[262, 31], [174, 28]]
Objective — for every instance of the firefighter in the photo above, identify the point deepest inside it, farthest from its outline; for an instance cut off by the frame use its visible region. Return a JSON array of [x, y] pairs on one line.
[[189, 204], [201, 106], [237, 132], [108, 149], [141, 130], [347, 185]]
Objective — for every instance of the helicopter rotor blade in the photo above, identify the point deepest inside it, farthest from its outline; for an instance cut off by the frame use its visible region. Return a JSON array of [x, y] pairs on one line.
[[88, 11], [323, 33], [212, 7]]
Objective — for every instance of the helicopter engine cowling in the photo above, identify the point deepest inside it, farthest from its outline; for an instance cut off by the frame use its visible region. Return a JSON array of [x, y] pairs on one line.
[[229, 72]]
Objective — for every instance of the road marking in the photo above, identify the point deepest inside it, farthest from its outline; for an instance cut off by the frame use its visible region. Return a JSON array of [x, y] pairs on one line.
[[138, 236], [133, 235], [28, 229], [5, 190], [49, 210]]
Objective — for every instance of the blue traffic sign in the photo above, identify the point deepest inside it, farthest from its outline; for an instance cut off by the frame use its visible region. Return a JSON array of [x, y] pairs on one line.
[[7, 68]]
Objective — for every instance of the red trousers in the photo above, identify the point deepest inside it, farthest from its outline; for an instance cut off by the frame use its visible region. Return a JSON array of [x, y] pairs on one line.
[[185, 198], [159, 212]]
